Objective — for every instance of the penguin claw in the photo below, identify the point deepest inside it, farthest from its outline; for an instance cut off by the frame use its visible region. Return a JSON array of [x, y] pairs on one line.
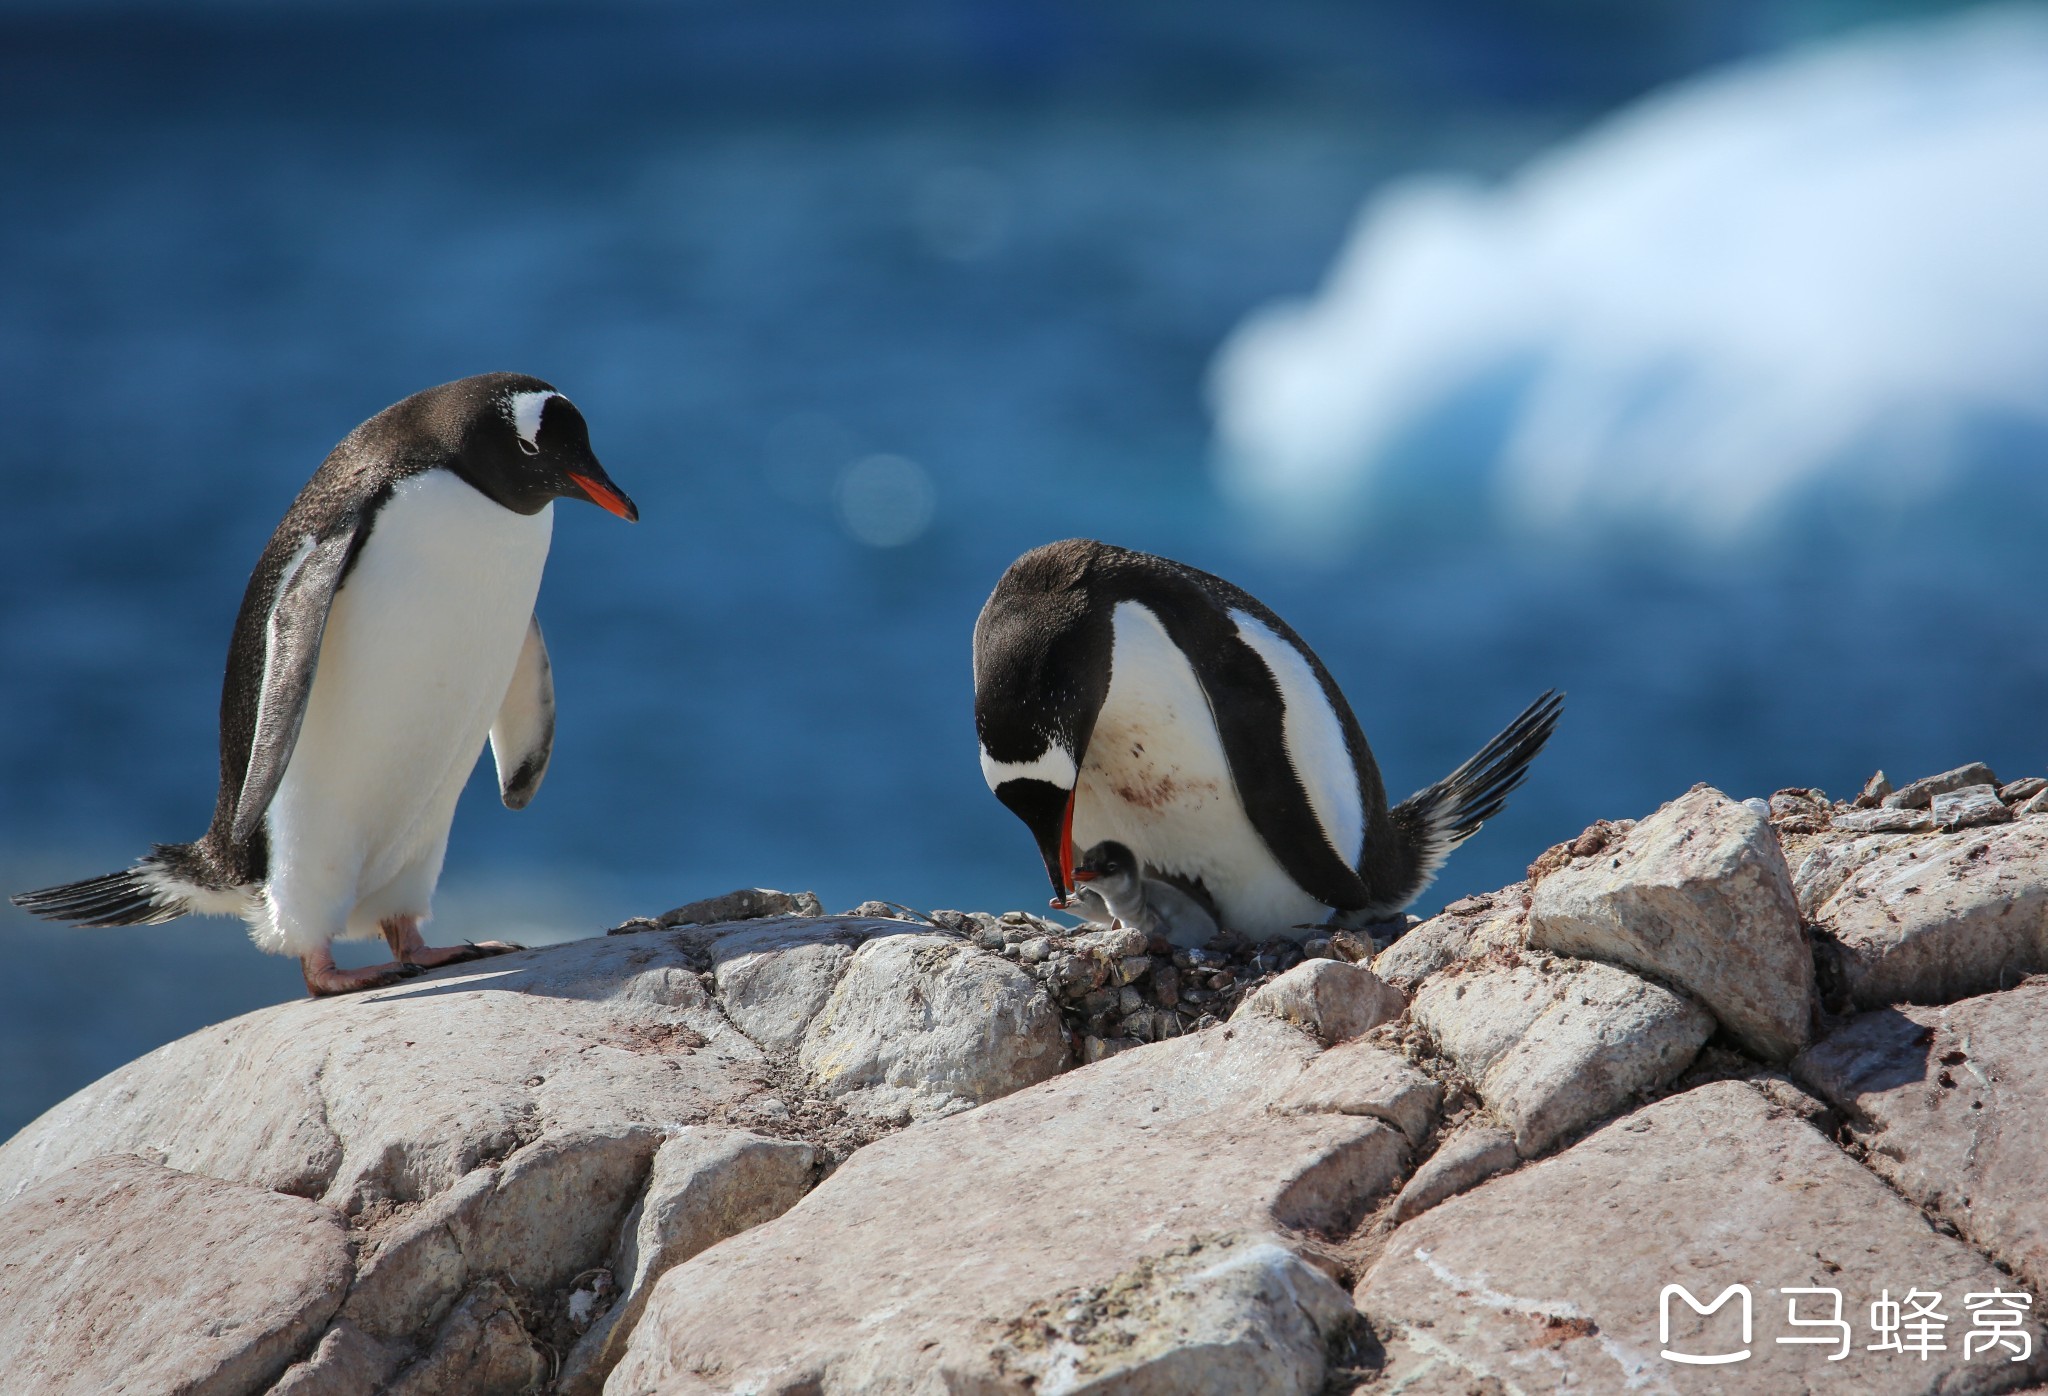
[[435, 956]]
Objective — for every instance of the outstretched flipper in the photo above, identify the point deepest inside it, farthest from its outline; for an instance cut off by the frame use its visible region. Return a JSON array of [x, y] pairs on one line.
[[523, 733]]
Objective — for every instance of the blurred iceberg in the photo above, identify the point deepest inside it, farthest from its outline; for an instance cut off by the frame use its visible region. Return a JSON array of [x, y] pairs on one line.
[[1818, 277]]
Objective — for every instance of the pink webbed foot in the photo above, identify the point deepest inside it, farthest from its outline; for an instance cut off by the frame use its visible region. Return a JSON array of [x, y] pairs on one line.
[[402, 934], [324, 977]]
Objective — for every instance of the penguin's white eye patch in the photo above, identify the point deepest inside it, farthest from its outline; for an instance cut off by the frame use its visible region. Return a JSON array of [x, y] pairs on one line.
[[525, 410]]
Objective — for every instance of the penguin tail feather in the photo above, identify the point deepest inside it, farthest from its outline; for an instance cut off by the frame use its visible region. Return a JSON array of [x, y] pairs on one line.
[[1437, 819], [160, 888]]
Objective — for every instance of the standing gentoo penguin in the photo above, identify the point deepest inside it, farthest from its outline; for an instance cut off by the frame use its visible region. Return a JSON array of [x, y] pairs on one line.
[[388, 629], [1124, 696]]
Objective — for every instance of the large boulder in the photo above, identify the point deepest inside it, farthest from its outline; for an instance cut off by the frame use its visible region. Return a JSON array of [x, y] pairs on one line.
[[1130, 1226], [1554, 1044], [1697, 895], [1935, 918], [123, 1275], [1553, 1278], [1950, 1105], [495, 1134]]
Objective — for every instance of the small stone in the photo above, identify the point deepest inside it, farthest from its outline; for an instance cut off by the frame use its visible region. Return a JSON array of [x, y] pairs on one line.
[[1075, 976], [1207, 959], [1333, 1000], [1035, 950], [874, 911], [1129, 1000], [1884, 821], [1197, 995], [1920, 794], [1100, 1000], [2020, 791], [1131, 969], [745, 904], [1223, 982], [1970, 807], [1796, 803], [1137, 1026], [1166, 985], [1318, 948], [1013, 950], [1468, 1157], [1468, 906], [1874, 791]]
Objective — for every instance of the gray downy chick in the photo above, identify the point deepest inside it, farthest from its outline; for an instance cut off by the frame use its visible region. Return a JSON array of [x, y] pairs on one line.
[[1111, 877]]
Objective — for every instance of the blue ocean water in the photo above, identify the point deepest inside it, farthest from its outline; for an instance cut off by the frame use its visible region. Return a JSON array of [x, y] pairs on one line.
[[760, 247]]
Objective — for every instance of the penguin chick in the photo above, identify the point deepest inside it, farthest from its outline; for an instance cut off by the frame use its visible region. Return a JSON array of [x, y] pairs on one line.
[[386, 633], [1112, 875]]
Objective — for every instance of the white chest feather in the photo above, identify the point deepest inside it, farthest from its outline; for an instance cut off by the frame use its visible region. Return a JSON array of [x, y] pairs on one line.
[[1155, 777], [420, 645]]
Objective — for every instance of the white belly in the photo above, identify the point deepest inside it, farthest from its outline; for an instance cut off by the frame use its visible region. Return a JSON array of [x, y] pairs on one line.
[[1155, 778], [419, 649]]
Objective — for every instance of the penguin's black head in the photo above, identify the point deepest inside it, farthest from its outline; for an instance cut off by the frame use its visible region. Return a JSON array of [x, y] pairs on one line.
[[1041, 671], [523, 444]]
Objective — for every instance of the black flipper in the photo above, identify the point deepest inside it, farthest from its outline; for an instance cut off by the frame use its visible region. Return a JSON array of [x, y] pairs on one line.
[[1433, 821], [297, 620], [523, 732]]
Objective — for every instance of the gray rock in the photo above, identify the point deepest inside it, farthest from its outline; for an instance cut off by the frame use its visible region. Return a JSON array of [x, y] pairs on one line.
[[537, 1220], [1920, 794], [394, 1096], [1358, 1078], [1971, 807], [1698, 895], [1329, 998], [1555, 1044], [962, 1254], [1829, 862], [1943, 917], [772, 979], [707, 1184], [1883, 821], [347, 1362], [482, 1349], [1874, 791], [1263, 1318], [1472, 1153], [746, 904], [2038, 804], [925, 1025], [123, 1275], [1550, 1278], [1469, 927], [2018, 792], [1951, 1105]]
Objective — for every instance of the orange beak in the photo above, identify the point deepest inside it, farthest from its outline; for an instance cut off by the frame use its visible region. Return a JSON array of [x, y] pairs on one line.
[[606, 498]]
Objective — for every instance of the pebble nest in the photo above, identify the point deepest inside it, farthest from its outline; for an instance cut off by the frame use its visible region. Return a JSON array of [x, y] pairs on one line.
[[1117, 988]]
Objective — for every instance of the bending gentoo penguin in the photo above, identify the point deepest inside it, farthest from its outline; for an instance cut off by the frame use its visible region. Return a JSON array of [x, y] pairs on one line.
[[1124, 696], [388, 629], [1110, 876]]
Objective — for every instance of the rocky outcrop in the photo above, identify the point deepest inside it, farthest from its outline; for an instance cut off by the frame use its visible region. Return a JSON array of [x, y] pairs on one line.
[[747, 1147], [1950, 1106], [1697, 895], [1931, 919], [1123, 1226], [1554, 1044], [1552, 1278], [122, 1274]]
